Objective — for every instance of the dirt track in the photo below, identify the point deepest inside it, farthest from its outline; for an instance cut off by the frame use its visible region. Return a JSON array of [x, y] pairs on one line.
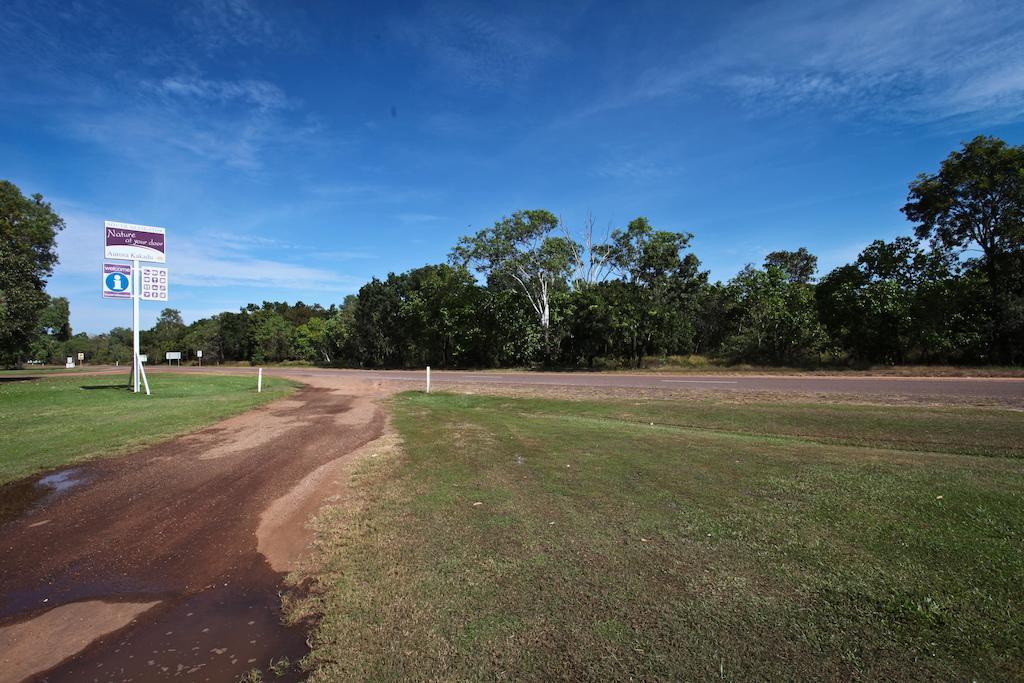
[[176, 552], [953, 390], [809, 386]]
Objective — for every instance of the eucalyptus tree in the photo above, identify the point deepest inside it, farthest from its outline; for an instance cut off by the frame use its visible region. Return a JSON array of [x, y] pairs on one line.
[[521, 252], [591, 255]]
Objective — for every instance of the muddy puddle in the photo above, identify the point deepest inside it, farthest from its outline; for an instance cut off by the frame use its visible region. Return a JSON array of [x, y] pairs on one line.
[[25, 495], [213, 632], [218, 634]]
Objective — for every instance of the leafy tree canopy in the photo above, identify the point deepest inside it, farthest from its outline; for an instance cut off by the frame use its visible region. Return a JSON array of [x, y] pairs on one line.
[[28, 232], [799, 266], [976, 198]]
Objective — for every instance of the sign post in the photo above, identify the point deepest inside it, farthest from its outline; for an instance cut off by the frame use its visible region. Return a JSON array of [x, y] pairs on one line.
[[129, 242], [199, 355], [137, 366]]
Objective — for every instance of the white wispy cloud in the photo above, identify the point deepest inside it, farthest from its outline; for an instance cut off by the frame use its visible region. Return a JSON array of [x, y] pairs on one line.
[[357, 193], [632, 169], [235, 123], [419, 218], [911, 61], [262, 94], [73, 66], [914, 60], [468, 44], [217, 23]]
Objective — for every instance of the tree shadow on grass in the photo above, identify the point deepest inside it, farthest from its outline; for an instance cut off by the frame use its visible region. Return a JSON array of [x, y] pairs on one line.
[[18, 379], [122, 387]]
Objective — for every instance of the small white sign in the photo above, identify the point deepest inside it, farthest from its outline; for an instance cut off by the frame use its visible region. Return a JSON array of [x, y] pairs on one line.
[[81, 356], [173, 355], [199, 354], [144, 358], [153, 285], [70, 363]]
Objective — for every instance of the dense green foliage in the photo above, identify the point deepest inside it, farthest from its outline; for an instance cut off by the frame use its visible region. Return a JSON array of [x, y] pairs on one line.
[[526, 292], [28, 232], [976, 202]]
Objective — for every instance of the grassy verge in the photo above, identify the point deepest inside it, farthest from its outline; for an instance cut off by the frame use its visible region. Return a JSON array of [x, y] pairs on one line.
[[659, 366], [698, 364], [514, 538], [53, 369], [53, 422]]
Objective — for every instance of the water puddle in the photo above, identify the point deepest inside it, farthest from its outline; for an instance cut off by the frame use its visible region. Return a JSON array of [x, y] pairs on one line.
[[218, 634], [19, 497], [63, 480]]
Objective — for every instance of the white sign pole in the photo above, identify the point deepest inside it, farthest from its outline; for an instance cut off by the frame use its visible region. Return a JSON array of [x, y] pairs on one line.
[[259, 382], [428, 379], [135, 325]]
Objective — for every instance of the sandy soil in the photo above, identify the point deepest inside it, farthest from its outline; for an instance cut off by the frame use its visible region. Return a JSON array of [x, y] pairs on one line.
[[172, 536], [49, 639]]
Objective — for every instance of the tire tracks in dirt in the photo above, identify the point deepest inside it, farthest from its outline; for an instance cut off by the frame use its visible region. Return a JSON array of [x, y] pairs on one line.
[[168, 561]]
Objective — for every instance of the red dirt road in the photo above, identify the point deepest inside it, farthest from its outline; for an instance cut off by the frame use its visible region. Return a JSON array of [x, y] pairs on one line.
[[168, 540], [1008, 391]]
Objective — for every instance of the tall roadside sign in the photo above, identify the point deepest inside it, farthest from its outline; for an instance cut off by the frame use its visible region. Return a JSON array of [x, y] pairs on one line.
[[135, 243]]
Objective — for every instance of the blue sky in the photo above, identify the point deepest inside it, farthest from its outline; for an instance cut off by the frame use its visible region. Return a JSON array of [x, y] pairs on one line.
[[294, 150]]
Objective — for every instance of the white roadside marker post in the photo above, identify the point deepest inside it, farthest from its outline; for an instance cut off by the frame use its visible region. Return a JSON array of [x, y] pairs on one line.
[[259, 382], [428, 379]]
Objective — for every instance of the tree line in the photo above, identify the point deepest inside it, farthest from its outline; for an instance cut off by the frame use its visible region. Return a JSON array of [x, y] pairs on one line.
[[528, 292]]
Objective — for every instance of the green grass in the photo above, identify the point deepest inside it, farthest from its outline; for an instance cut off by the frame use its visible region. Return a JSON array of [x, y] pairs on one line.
[[53, 422], [542, 539], [51, 369], [939, 429]]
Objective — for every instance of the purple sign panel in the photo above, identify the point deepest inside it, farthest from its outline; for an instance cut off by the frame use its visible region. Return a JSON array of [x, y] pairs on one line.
[[133, 242], [117, 281]]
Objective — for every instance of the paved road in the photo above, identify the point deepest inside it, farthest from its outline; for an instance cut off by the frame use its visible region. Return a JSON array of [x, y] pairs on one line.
[[1010, 390]]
